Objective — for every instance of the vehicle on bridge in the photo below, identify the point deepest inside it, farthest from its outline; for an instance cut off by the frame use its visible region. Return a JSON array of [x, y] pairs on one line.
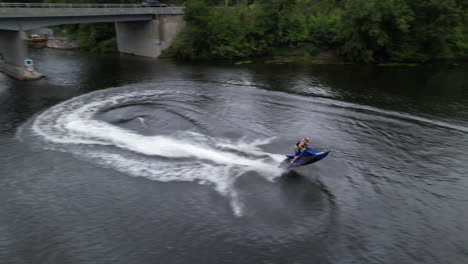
[[152, 3]]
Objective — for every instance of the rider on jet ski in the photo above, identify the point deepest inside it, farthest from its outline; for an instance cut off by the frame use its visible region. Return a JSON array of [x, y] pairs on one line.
[[299, 148]]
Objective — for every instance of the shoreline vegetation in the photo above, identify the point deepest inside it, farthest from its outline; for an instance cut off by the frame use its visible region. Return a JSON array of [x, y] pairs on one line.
[[356, 31], [383, 32]]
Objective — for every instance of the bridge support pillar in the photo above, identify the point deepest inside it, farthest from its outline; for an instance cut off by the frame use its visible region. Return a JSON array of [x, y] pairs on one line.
[[148, 38], [13, 52]]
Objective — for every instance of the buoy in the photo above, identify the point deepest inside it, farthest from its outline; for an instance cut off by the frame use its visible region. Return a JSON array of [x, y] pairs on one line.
[[28, 63]]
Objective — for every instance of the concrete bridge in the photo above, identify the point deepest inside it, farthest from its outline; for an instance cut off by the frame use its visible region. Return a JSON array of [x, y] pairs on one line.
[[143, 31]]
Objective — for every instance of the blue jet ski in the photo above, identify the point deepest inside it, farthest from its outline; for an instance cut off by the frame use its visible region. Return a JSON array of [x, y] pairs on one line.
[[307, 157]]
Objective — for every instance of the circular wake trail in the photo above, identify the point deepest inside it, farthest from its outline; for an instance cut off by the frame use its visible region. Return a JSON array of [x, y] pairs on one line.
[[73, 126]]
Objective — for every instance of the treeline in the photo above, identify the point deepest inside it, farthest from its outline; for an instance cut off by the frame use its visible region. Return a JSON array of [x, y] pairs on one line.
[[358, 30]]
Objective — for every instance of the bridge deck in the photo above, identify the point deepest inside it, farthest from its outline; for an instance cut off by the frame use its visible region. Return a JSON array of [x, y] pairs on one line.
[[9, 12]]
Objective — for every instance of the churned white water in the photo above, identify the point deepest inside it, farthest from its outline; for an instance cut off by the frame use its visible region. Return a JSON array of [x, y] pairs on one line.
[[72, 127]]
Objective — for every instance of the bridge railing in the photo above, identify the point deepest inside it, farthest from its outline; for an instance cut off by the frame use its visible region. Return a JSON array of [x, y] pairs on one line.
[[67, 5]]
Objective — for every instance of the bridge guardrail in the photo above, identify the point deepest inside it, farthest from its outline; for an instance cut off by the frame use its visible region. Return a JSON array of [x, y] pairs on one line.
[[69, 5]]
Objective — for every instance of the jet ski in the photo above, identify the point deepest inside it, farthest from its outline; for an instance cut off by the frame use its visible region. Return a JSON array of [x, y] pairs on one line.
[[306, 157]]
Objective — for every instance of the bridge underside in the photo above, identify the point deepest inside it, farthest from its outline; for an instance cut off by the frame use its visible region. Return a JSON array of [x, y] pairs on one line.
[[143, 32], [147, 38], [30, 18], [27, 23]]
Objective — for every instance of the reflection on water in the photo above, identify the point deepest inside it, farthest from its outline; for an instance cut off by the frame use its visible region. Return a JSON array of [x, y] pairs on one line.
[[121, 159]]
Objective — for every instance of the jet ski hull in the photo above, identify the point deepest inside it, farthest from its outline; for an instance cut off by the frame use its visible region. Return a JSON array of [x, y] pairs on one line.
[[306, 158]]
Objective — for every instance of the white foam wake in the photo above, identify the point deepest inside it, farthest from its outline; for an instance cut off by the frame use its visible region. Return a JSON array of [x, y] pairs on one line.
[[182, 156]]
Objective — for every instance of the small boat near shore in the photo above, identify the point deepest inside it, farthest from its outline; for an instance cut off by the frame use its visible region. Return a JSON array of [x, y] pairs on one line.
[[33, 39]]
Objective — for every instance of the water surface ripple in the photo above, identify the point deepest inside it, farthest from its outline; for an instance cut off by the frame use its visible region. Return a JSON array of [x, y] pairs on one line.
[[162, 162]]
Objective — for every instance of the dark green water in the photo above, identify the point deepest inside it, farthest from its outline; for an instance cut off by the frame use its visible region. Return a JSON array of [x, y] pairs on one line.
[[120, 159]]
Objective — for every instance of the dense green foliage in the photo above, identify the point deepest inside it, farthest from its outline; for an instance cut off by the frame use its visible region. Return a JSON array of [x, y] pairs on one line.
[[359, 30]]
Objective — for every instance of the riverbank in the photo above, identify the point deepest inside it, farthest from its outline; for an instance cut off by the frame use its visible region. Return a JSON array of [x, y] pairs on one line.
[[360, 31], [331, 58], [315, 32], [325, 57], [20, 73], [62, 43]]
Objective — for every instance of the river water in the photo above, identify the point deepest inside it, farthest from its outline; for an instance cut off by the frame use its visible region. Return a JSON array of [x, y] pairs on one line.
[[121, 159]]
